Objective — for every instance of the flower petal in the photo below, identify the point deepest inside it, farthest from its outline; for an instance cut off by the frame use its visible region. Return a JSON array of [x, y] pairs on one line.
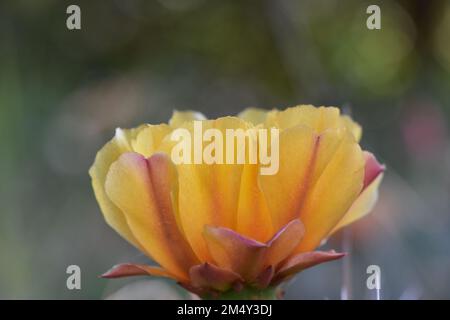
[[352, 126], [235, 252], [362, 205], [317, 119], [312, 167], [209, 276], [372, 169], [142, 189], [336, 183], [180, 117], [253, 115], [253, 216], [265, 277], [149, 139], [105, 157], [209, 192], [285, 191], [130, 269], [303, 261], [284, 242]]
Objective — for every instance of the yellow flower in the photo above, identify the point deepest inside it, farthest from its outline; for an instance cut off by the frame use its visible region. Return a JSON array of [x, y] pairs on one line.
[[220, 227]]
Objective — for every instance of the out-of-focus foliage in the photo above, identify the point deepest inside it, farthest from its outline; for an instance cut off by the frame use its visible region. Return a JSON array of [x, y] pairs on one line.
[[63, 92]]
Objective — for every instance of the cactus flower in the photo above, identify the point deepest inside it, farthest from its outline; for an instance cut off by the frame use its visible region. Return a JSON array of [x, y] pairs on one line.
[[225, 228]]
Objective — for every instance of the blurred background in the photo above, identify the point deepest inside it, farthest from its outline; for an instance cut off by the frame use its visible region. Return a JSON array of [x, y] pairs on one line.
[[63, 92]]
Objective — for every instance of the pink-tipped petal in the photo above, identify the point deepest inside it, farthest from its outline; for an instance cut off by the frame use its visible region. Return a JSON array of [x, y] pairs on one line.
[[303, 261], [284, 242], [208, 276], [235, 252], [372, 168], [130, 269]]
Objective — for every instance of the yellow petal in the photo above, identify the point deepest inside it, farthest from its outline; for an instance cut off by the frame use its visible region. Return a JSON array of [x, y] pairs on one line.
[[180, 117], [105, 157], [149, 139], [373, 174], [352, 126], [253, 115], [318, 119], [362, 205], [142, 189]]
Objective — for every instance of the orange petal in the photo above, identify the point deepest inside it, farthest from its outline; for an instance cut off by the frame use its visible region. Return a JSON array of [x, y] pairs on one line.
[[303, 261], [209, 276], [235, 252], [142, 189], [130, 269]]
